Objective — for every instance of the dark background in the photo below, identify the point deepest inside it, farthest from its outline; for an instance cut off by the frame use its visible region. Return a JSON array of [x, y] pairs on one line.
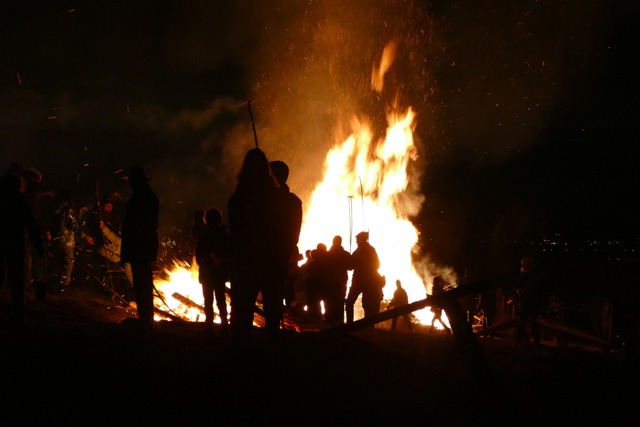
[[527, 111]]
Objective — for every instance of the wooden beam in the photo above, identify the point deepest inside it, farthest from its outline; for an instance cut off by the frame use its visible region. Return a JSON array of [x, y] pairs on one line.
[[571, 331]]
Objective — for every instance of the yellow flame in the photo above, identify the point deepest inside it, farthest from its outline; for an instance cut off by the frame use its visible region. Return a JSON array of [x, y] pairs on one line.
[[180, 292], [363, 181]]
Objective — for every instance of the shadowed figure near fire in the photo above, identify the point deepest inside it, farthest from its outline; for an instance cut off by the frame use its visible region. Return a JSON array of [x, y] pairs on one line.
[[259, 249], [140, 241], [366, 279]]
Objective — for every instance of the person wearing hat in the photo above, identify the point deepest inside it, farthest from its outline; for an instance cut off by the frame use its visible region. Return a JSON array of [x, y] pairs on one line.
[[140, 240], [366, 280]]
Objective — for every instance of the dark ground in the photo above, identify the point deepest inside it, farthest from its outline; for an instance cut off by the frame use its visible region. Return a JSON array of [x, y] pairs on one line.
[[79, 360]]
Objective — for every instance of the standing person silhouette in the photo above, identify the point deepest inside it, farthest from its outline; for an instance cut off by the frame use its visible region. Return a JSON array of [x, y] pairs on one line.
[[318, 277], [211, 256], [366, 280], [400, 298], [40, 196], [140, 241], [293, 213], [339, 260], [64, 236], [437, 288], [259, 248], [16, 221], [196, 228], [531, 299], [101, 233]]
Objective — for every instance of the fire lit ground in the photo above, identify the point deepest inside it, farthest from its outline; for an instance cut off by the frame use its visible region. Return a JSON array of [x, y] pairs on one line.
[[366, 186], [78, 361]]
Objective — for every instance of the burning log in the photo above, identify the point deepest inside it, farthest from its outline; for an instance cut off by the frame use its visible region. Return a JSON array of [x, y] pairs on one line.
[[186, 301], [168, 315]]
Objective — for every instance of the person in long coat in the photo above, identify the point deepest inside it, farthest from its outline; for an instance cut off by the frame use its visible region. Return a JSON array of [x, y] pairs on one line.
[[259, 249], [140, 240], [17, 220]]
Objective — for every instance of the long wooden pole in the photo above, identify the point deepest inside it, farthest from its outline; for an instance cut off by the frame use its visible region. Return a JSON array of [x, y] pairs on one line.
[[253, 124]]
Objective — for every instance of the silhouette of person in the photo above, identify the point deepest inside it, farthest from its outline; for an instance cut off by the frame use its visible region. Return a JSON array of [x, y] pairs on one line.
[[293, 213], [365, 280], [318, 277], [400, 298], [196, 228], [339, 260], [438, 286], [301, 282], [211, 256], [117, 203], [140, 240], [40, 197], [17, 220], [64, 237], [102, 234], [529, 301], [259, 248]]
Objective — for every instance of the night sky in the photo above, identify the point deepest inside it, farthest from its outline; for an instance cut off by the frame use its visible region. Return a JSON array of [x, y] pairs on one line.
[[527, 111]]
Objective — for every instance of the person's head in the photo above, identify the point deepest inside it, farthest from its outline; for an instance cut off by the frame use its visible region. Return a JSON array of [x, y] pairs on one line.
[[11, 183], [16, 168], [337, 240], [362, 237], [106, 203], [137, 177], [32, 175], [198, 215], [213, 217], [280, 171], [438, 283], [255, 168]]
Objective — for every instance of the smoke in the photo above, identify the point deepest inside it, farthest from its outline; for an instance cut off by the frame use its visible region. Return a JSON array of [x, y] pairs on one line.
[[116, 83]]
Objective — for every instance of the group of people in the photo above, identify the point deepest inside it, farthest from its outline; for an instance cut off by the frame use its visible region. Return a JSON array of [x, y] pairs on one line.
[[324, 278], [256, 252], [86, 240], [27, 231]]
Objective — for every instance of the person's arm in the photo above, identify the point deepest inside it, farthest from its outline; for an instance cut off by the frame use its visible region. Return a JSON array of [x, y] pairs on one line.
[[109, 234]]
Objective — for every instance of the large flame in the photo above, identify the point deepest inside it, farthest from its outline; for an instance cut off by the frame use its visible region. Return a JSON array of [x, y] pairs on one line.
[[365, 179], [361, 189], [364, 188]]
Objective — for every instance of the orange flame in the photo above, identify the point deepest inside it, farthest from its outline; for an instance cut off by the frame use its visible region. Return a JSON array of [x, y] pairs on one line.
[[364, 188]]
